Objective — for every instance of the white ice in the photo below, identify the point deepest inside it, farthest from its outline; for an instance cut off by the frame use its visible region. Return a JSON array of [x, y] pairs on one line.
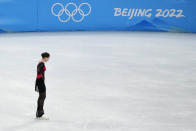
[[100, 81]]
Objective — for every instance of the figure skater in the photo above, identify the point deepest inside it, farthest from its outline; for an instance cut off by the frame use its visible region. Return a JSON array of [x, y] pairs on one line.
[[40, 84]]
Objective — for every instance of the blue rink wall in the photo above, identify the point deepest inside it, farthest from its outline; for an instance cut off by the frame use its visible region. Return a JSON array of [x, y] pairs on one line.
[[133, 15]]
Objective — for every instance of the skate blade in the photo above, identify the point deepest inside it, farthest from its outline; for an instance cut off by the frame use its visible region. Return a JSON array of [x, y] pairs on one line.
[[42, 118]]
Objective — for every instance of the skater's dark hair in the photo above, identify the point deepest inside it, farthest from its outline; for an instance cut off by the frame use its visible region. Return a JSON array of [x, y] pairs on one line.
[[45, 55]]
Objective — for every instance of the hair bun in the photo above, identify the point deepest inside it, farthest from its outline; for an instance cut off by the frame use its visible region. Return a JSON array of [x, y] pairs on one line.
[[45, 54]]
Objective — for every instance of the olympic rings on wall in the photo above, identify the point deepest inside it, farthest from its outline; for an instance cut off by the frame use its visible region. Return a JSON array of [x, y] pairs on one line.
[[71, 14]]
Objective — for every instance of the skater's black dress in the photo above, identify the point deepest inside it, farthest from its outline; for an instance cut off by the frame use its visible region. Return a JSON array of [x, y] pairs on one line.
[[40, 84], [41, 88]]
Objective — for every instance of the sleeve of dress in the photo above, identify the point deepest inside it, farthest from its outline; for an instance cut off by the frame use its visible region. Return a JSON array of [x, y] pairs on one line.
[[39, 68]]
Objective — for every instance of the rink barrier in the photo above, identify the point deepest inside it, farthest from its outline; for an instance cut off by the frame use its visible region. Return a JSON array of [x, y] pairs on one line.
[[129, 15]]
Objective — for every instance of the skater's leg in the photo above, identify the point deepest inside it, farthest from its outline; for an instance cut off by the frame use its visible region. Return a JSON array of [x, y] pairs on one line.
[[41, 100], [40, 104]]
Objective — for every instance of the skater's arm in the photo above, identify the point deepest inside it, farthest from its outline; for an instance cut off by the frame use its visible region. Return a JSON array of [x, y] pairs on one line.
[[40, 68]]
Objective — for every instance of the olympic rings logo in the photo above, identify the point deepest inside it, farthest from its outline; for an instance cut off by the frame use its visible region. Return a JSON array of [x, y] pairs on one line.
[[71, 11]]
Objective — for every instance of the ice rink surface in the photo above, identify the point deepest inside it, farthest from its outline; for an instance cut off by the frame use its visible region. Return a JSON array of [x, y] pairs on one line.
[[100, 81]]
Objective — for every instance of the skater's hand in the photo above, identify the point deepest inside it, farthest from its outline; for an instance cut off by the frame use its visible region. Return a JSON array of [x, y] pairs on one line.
[[36, 89]]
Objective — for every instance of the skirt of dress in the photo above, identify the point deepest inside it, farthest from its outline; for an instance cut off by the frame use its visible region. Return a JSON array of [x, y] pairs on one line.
[[41, 85]]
